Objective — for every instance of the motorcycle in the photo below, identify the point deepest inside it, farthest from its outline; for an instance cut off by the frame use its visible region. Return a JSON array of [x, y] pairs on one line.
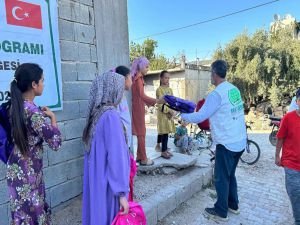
[[275, 123]]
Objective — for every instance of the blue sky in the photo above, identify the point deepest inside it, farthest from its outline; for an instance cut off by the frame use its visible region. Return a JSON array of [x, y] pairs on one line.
[[152, 16]]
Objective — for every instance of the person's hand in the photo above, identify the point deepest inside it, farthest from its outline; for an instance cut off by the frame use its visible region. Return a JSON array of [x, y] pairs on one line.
[[277, 160], [124, 205], [172, 113], [169, 115], [160, 100], [48, 112], [184, 122]]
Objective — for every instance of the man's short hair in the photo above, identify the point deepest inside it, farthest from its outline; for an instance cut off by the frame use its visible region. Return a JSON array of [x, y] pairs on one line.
[[219, 67], [298, 94]]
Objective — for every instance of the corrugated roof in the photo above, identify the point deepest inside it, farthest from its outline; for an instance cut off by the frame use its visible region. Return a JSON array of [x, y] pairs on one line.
[[153, 72]]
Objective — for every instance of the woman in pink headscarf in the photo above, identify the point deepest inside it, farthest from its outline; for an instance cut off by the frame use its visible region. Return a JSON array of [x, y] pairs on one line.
[[139, 69]]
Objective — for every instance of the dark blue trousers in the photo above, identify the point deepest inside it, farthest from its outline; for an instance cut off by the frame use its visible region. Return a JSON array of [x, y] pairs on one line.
[[225, 181]]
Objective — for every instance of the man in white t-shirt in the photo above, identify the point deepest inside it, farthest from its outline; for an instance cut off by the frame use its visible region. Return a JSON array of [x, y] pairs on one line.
[[225, 111]]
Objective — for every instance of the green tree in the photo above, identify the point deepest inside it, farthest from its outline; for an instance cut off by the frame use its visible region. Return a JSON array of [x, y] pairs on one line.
[[147, 49], [159, 62], [264, 65]]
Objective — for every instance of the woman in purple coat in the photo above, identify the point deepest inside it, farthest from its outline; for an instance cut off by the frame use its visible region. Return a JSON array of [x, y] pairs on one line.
[[106, 163]]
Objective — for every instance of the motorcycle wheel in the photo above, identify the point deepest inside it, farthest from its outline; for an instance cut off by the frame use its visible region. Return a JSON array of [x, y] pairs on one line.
[[273, 138]]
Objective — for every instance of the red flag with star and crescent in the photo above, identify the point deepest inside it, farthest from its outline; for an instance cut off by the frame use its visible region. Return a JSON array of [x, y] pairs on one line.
[[23, 14]]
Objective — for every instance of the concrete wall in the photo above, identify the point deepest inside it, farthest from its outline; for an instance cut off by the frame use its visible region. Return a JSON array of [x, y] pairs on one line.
[[93, 37], [112, 33], [188, 84], [196, 84]]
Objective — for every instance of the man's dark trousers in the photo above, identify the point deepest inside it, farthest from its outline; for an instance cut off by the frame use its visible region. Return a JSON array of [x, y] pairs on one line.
[[225, 181]]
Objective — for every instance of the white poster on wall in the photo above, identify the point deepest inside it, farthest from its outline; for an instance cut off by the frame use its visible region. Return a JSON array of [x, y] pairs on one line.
[[29, 33]]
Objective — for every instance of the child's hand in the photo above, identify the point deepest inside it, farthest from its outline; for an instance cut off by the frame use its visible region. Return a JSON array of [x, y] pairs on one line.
[[48, 112], [124, 205], [160, 100], [171, 114], [174, 113]]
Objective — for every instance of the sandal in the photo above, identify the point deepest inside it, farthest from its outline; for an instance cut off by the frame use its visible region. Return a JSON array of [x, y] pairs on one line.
[[165, 155], [170, 153], [187, 152], [147, 162]]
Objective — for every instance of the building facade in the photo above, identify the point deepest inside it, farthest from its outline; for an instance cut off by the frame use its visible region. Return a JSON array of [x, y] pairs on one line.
[[287, 21]]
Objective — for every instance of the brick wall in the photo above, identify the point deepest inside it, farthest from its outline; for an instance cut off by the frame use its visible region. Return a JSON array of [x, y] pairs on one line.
[[88, 45]]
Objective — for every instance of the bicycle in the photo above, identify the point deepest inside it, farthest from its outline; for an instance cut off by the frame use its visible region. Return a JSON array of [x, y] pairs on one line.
[[204, 138], [201, 140], [204, 141], [252, 152]]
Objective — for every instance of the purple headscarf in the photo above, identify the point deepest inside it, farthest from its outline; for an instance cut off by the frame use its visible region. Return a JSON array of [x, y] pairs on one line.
[[138, 64]]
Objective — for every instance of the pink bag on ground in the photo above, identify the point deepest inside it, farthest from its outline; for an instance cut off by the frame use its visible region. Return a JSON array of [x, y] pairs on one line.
[[136, 216]]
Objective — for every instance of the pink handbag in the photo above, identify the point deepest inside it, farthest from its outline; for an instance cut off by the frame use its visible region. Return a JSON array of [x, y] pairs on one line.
[[133, 170], [136, 216]]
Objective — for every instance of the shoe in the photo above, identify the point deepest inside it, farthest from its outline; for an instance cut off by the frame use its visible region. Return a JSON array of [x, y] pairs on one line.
[[147, 162], [234, 211], [212, 214], [165, 155]]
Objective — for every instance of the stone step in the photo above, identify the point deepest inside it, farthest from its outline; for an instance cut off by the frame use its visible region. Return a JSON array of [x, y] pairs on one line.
[[178, 161]]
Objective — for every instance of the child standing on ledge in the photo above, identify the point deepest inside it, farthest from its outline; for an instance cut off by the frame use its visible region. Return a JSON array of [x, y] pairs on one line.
[[165, 122]]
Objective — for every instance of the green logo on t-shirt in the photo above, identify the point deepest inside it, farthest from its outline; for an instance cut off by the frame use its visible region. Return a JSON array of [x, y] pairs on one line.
[[234, 96]]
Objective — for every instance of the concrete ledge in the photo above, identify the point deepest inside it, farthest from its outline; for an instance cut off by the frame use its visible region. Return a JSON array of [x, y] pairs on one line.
[[178, 161], [166, 200]]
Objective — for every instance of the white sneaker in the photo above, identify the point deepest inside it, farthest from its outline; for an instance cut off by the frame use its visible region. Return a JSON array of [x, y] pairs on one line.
[[234, 211]]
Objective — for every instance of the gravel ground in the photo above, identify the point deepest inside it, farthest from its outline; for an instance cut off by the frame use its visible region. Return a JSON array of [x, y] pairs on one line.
[[147, 185], [69, 214]]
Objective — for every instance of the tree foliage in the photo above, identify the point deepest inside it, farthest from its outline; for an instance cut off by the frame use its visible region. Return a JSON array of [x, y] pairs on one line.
[[264, 65], [147, 49]]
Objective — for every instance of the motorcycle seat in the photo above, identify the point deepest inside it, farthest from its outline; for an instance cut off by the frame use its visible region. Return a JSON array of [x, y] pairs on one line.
[[275, 118]]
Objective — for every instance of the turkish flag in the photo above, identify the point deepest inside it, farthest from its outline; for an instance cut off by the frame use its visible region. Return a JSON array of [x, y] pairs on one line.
[[23, 14]]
